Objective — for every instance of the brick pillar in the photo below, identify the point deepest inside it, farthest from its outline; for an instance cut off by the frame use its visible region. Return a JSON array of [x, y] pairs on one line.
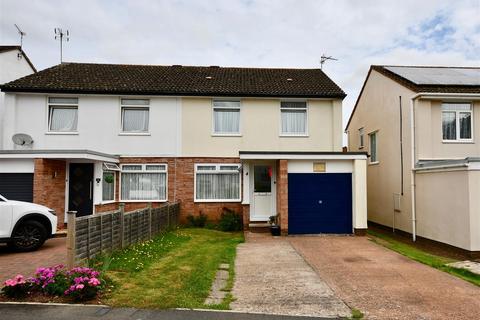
[[282, 195], [246, 216], [49, 186]]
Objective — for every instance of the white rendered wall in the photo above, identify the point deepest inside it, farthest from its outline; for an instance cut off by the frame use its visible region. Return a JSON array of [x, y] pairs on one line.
[[11, 68], [99, 126]]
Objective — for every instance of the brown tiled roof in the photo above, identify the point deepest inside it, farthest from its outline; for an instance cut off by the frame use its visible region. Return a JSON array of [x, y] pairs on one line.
[[430, 88], [178, 80], [14, 47]]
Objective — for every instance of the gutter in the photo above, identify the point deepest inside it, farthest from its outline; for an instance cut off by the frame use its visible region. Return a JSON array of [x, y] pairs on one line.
[[473, 96]]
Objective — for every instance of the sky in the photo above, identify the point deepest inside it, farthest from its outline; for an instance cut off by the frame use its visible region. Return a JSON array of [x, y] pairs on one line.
[[253, 33]]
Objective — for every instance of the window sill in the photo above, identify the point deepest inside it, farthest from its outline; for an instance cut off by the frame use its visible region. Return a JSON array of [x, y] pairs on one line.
[[226, 134], [107, 202], [128, 201], [285, 135], [215, 200], [373, 163], [66, 133], [458, 141], [134, 134]]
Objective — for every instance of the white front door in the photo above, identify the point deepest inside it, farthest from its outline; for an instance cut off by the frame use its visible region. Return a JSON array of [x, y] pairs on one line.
[[263, 195]]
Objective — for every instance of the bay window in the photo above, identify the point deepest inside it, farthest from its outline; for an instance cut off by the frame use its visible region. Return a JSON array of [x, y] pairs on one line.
[[217, 182], [293, 118], [135, 115], [62, 114], [457, 121], [226, 117], [143, 182]]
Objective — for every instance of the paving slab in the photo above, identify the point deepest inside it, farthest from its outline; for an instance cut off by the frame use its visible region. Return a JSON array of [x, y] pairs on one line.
[[471, 266], [386, 285], [271, 277], [53, 252]]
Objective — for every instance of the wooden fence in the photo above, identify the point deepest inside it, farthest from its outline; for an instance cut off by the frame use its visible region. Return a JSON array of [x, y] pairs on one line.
[[89, 236]]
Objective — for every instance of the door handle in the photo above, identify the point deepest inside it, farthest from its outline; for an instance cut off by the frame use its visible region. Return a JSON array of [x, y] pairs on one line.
[[91, 185]]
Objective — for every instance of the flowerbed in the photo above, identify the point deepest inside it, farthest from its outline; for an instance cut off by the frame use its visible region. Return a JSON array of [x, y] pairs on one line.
[[77, 284]]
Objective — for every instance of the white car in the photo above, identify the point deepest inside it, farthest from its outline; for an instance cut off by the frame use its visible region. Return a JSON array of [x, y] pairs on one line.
[[25, 226]]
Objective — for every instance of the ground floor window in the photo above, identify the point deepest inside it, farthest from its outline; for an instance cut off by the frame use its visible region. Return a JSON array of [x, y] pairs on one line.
[[143, 182], [217, 182]]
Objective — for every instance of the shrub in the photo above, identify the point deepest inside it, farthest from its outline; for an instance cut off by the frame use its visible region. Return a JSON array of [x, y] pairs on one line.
[[230, 221], [17, 287], [78, 283], [197, 221], [84, 283], [51, 280]]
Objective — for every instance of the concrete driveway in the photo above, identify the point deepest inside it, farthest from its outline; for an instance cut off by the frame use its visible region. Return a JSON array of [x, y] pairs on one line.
[[271, 277], [384, 284], [12, 263]]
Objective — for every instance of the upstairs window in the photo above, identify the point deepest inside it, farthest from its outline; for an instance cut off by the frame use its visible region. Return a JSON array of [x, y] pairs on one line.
[[62, 114], [373, 147], [135, 115], [361, 135], [457, 121], [226, 117], [293, 118]]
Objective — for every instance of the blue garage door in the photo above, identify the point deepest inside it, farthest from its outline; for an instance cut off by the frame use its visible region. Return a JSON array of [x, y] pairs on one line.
[[319, 203]]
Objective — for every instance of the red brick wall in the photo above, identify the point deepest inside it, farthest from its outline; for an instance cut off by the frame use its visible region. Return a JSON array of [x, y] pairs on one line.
[[282, 194], [180, 187], [49, 186]]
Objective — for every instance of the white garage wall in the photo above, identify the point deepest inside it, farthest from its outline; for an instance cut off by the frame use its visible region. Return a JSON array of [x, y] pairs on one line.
[[16, 165], [332, 166]]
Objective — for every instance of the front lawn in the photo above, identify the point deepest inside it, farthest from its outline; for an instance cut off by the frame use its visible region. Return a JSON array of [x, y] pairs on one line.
[[171, 271], [435, 261]]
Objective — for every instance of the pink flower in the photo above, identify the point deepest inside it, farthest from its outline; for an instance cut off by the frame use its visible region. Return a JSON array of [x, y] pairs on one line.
[[79, 286], [94, 282]]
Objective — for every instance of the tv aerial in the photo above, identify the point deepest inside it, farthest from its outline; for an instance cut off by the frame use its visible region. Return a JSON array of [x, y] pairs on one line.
[[324, 59], [22, 34], [61, 36], [22, 139]]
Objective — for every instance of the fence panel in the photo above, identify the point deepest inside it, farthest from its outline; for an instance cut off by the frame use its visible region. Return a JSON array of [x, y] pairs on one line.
[[90, 236]]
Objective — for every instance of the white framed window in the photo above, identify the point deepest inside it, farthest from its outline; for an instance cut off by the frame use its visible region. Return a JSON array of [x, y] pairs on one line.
[[143, 182], [361, 137], [373, 147], [135, 115], [217, 182], [293, 118], [62, 114], [108, 186], [457, 122], [226, 117]]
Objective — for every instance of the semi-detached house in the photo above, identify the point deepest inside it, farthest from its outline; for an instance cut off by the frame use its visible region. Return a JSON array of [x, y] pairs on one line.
[[258, 141]]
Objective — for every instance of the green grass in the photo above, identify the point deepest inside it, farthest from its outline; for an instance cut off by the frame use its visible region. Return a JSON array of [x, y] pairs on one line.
[[172, 271], [435, 261]]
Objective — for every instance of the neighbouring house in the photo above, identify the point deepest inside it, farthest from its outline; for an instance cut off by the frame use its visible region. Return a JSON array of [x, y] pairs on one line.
[[14, 64], [258, 141], [421, 127]]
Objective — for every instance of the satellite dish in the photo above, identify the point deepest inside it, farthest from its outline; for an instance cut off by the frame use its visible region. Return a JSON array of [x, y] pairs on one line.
[[22, 139]]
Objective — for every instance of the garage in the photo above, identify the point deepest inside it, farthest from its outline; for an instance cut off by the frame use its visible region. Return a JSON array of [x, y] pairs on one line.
[[17, 186], [320, 203], [16, 179]]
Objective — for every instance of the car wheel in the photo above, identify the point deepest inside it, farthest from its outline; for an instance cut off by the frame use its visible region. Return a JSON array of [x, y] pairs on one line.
[[28, 236]]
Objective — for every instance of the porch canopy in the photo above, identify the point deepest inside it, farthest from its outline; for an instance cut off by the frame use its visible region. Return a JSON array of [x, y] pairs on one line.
[[301, 155], [59, 154]]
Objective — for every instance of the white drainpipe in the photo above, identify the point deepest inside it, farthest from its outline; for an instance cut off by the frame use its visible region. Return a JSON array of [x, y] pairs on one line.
[[472, 96]]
